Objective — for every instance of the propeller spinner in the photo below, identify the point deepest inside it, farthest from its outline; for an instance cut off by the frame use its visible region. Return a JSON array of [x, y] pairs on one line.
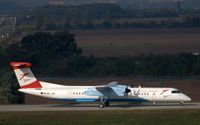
[[127, 90]]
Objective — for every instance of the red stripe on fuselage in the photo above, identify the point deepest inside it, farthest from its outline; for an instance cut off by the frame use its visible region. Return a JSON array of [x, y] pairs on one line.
[[163, 91], [35, 84]]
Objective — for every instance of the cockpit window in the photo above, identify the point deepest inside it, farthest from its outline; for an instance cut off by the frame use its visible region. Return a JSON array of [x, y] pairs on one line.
[[177, 91]]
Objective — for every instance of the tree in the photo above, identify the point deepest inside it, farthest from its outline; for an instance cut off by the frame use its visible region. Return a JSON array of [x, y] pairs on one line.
[[9, 88], [43, 46]]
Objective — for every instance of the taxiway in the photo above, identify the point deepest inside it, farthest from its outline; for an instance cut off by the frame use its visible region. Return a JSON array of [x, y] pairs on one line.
[[85, 107]]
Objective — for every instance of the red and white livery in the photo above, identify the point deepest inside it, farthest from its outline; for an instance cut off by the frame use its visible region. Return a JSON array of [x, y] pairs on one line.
[[102, 93]]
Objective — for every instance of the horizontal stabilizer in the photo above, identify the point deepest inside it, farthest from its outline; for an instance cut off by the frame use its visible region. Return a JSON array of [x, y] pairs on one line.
[[17, 65]]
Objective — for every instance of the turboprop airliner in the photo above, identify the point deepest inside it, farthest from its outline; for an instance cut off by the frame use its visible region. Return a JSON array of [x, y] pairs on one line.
[[104, 94]]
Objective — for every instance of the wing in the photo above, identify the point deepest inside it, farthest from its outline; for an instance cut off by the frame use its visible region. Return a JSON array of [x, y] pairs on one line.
[[106, 91], [111, 89]]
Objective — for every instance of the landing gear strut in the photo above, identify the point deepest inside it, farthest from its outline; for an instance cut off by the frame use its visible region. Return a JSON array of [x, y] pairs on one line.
[[181, 104], [107, 103], [104, 102]]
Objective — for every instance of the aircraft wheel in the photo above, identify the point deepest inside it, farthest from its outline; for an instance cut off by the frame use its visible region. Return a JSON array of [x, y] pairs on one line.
[[107, 104], [101, 105]]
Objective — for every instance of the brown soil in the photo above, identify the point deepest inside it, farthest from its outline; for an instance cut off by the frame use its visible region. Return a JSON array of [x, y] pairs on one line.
[[135, 42]]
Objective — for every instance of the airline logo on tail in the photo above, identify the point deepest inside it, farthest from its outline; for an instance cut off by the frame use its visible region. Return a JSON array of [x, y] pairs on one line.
[[24, 75]]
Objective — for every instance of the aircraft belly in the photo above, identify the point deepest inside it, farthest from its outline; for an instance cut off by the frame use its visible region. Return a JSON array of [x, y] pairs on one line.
[[128, 99]]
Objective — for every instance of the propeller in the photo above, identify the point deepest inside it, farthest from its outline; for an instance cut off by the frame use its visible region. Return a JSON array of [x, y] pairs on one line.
[[137, 93], [127, 90]]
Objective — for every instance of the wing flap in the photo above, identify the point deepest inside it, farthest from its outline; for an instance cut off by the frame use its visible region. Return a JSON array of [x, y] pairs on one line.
[[106, 91], [111, 89]]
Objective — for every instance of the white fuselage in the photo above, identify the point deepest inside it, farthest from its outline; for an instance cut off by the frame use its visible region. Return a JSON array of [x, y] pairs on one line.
[[77, 93], [104, 93]]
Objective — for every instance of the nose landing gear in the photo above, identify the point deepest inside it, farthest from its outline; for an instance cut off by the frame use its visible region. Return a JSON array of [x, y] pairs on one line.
[[181, 104]]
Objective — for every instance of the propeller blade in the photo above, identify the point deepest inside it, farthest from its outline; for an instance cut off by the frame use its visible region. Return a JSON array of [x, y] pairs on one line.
[[127, 90]]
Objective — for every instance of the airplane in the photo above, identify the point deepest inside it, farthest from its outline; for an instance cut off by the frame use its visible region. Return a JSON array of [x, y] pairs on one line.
[[104, 94]]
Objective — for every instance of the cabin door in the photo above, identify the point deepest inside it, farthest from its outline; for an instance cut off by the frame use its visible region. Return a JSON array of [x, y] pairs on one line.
[[153, 96], [70, 94]]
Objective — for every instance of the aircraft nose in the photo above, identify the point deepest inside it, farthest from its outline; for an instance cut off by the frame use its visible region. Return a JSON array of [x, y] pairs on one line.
[[186, 98], [189, 99]]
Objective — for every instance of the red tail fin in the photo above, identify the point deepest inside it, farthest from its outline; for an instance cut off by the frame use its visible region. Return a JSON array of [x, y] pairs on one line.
[[24, 75]]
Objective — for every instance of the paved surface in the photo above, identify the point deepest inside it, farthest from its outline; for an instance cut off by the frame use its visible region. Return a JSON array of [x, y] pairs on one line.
[[85, 107]]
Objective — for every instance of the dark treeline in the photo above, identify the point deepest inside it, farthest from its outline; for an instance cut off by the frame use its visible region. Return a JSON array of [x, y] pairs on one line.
[[102, 16], [58, 54], [167, 65], [99, 11]]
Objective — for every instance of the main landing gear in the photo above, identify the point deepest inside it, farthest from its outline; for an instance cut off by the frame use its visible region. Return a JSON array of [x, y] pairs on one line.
[[104, 102]]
